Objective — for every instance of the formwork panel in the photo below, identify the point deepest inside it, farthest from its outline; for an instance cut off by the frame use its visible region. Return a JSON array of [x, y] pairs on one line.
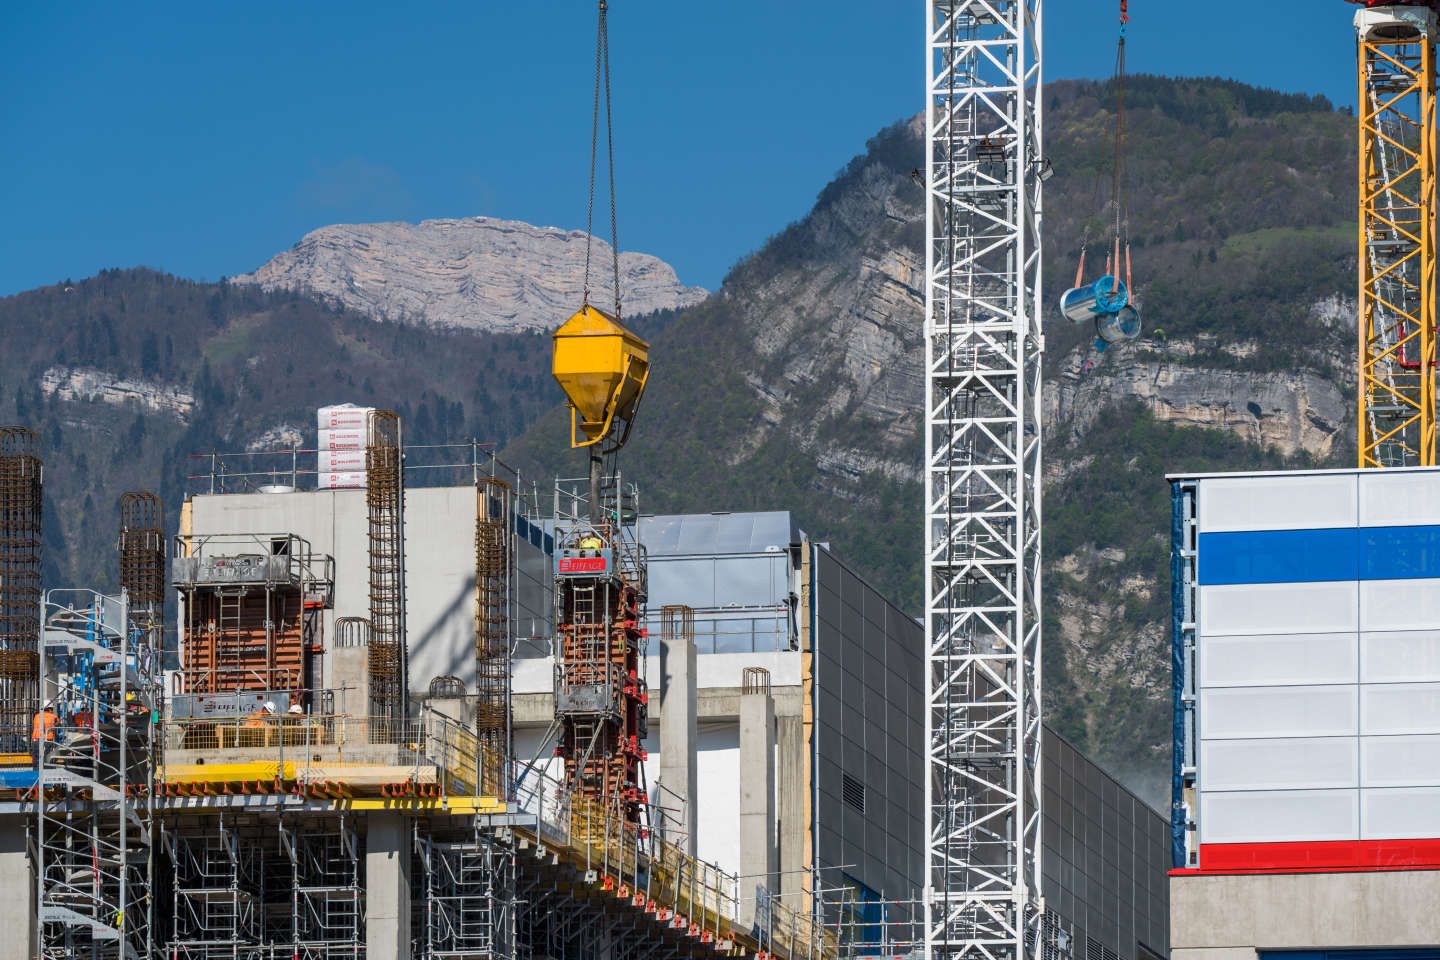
[[1279, 608], [1403, 761], [1400, 812], [1286, 763], [1400, 657], [1279, 816], [1255, 712], [1294, 502], [1277, 660]]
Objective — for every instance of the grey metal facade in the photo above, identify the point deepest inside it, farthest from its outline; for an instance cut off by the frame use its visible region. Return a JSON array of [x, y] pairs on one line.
[[869, 748], [1105, 861], [1106, 853]]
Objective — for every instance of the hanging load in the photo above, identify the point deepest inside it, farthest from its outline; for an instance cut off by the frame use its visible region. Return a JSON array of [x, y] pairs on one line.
[[1106, 303], [1109, 301]]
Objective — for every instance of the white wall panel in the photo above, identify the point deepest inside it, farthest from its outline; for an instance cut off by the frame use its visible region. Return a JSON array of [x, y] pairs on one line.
[[1391, 498], [1402, 813], [1277, 503], [1400, 604], [1286, 764], [1250, 712], [1406, 761], [1279, 659], [1400, 657], [1279, 816], [1248, 609], [1400, 708]]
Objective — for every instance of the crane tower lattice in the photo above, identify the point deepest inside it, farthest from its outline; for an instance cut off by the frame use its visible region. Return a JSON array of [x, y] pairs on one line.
[[982, 489], [1397, 235]]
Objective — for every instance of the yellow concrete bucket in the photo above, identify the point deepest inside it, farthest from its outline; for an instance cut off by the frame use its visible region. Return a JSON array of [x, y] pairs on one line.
[[602, 366]]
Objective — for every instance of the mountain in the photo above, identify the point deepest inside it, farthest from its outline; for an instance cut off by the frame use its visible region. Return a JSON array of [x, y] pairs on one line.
[[479, 273], [798, 384], [131, 374]]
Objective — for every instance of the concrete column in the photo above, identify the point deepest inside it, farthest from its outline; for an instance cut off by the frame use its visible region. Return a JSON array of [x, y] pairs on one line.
[[679, 735], [759, 856], [387, 887], [349, 672], [792, 766], [17, 891]]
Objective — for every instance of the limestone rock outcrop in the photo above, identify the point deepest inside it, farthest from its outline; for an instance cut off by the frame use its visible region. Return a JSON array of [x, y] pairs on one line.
[[480, 273]]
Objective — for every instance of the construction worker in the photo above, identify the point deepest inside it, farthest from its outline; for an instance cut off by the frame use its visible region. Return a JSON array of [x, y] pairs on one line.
[[42, 728], [591, 544], [259, 717]]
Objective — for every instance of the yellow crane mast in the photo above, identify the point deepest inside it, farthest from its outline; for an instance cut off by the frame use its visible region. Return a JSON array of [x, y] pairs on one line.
[[1397, 341]]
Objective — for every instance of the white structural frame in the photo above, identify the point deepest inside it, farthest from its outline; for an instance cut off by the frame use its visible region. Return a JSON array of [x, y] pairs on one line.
[[984, 344]]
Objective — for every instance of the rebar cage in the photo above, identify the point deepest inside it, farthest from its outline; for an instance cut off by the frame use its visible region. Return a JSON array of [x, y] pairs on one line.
[[21, 502], [385, 504]]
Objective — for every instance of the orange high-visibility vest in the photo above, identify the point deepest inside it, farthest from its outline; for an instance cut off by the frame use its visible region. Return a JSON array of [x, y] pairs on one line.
[[43, 727]]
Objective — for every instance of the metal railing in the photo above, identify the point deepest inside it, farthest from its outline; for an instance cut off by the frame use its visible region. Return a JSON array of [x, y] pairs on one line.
[[432, 755], [426, 464], [633, 859]]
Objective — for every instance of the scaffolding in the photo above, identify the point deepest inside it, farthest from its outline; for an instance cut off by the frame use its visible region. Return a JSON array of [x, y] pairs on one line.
[[327, 889], [93, 833], [493, 535], [385, 505], [469, 895], [601, 702], [215, 893], [21, 499]]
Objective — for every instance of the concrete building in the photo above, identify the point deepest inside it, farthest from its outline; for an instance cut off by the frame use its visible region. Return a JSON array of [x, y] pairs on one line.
[[1307, 703]]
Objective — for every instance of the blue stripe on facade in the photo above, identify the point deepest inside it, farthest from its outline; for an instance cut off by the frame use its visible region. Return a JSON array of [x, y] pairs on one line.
[[1318, 556]]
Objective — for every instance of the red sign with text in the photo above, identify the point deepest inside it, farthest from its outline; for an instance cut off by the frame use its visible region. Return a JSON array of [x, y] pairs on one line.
[[582, 564]]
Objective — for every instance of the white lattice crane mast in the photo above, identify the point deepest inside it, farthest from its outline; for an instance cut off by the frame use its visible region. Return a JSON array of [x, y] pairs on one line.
[[982, 489]]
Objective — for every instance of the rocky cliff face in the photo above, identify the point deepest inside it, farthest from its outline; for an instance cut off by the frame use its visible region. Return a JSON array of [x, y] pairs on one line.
[[479, 273], [88, 384]]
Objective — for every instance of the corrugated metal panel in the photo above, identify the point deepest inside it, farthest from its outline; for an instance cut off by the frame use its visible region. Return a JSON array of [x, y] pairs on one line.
[[716, 534]]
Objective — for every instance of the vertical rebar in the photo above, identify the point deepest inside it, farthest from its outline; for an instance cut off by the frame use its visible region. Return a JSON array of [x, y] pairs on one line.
[[20, 546], [142, 554], [493, 525], [385, 502]]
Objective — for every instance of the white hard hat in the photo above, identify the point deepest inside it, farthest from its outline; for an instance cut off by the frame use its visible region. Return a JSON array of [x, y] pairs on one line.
[[295, 708], [269, 706]]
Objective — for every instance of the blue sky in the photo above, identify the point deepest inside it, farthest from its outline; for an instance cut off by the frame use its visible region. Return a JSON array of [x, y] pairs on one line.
[[202, 138]]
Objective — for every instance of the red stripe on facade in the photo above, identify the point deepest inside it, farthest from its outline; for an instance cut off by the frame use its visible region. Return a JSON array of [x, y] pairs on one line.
[[1327, 856]]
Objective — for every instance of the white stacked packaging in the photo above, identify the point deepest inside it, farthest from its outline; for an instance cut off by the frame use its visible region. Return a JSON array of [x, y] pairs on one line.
[[343, 429]]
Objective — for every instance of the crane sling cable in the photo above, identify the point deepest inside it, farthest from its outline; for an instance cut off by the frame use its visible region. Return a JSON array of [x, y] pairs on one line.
[[1108, 302], [602, 82], [600, 364], [1119, 181]]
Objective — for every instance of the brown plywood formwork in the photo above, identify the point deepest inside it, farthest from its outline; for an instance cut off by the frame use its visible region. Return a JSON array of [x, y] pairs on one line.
[[248, 638], [20, 545], [252, 607]]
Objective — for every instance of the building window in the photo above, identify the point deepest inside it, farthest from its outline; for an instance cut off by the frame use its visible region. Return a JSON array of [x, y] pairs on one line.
[[853, 791]]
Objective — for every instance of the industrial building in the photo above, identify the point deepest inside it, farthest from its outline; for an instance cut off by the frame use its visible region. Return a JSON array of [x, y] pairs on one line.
[[1307, 698]]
